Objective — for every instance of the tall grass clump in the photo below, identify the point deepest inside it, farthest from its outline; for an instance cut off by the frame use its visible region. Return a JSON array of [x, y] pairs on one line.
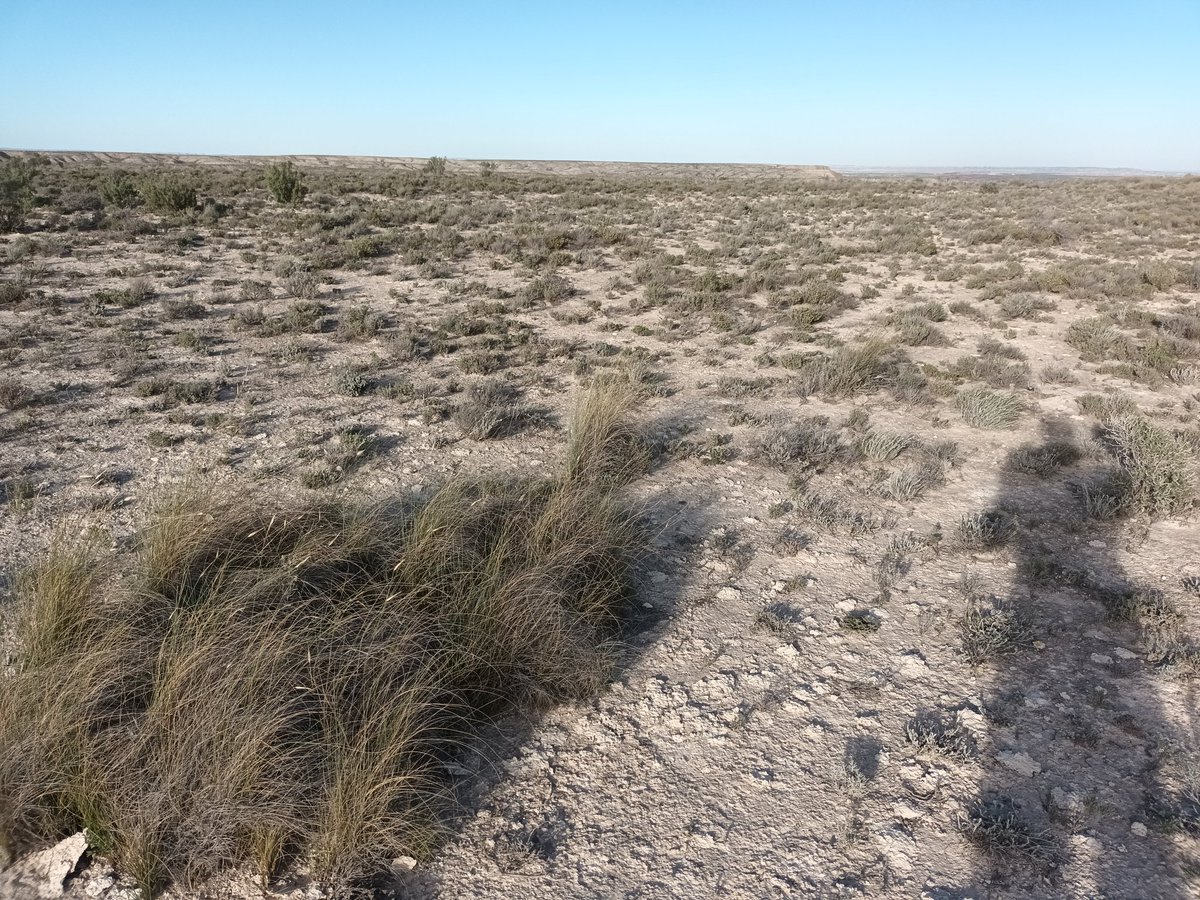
[[273, 683], [846, 371], [984, 408]]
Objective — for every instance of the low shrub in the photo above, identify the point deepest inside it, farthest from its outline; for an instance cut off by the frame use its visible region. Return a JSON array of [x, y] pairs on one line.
[[285, 183], [168, 193]]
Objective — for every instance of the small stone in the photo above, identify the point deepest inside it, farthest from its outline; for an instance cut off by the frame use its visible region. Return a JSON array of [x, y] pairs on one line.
[[1021, 763], [1138, 829], [971, 719], [1122, 653], [1102, 658], [907, 812], [43, 874]]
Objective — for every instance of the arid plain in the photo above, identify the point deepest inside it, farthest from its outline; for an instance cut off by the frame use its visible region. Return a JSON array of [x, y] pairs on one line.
[[909, 559]]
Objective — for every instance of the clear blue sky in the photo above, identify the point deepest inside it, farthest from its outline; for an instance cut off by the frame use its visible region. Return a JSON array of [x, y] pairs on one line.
[[1015, 83]]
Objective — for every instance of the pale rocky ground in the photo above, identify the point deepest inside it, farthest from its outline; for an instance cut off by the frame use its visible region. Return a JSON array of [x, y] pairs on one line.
[[733, 755]]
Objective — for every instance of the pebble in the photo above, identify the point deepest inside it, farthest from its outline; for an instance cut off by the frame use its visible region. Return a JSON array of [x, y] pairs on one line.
[[907, 812], [1021, 763]]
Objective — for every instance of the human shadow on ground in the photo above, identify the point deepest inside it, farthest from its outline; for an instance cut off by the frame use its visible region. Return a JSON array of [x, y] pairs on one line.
[[1079, 795]]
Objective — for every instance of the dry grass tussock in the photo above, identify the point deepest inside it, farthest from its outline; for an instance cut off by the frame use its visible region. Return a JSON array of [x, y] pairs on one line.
[[274, 682]]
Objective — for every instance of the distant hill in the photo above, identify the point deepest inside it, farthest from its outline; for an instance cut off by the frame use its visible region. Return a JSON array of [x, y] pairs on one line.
[[509, 166], [986, 172]]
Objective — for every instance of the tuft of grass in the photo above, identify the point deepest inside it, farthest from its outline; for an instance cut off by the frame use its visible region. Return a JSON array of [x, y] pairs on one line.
[[911, 482], [883, 446], [1106, 407], [603, 447], [981, 407], [997, 827], [1043, 461], [990, 628], [492, 409], [847, 371], [810, 441], [283, 681], [932, 732], [985, 530]]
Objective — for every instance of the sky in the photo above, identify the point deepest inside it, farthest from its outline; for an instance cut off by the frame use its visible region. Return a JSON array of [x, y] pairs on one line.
[[843, 82]]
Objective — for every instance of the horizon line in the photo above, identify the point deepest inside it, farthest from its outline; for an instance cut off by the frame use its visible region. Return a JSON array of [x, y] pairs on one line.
[[861, 167]]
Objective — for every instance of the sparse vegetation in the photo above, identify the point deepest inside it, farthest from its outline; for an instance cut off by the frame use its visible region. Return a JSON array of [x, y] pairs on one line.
[[854, 392]]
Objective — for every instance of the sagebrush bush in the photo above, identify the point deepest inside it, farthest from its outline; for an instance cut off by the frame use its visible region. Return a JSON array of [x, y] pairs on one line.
[[16, 192], [492, 409], [119, 190], [277, 681], [168, 193], [1158, 469], [285, 183]]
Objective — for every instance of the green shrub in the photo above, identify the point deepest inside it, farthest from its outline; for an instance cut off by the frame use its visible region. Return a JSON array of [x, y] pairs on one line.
[[285, 183], [168, 193], [1158, 469], [119, 190], [16, 192]]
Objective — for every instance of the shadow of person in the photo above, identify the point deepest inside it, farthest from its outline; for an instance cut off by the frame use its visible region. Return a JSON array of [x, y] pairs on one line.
[[1077, 798]]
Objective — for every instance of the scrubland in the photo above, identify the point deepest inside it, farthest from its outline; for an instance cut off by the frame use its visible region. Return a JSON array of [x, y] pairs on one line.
[[448, 530]]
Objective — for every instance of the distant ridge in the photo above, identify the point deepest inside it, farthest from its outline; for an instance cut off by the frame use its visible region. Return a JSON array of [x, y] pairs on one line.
[[1006, 172], [413, 163]]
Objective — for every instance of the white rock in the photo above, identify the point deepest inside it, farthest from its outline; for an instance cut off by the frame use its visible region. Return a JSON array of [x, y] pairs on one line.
[[971, 719], [907, 812], [1138, 829], [1021, 763], [41, 875]]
